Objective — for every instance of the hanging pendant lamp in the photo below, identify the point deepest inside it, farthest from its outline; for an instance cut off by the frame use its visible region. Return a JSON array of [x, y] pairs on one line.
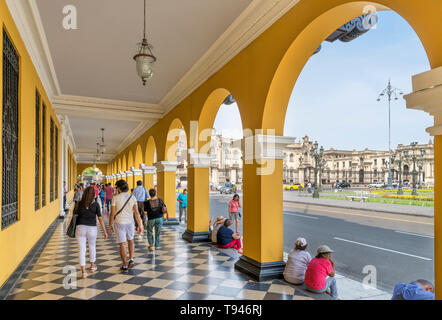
[[145, 58]]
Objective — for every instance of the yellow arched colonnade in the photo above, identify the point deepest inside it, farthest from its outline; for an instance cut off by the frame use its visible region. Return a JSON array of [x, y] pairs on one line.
[[261, 78]]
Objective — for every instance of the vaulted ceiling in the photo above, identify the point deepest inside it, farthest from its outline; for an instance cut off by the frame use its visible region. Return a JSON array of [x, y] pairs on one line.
[[89, 73]]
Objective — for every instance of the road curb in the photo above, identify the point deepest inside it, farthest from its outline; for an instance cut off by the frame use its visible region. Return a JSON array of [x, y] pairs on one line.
[[363, 209]]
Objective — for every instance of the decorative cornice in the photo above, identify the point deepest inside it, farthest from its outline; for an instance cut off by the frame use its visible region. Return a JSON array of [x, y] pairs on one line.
[[106, 108], [251, 23], [166, 166], [148, 170], [27, 18]]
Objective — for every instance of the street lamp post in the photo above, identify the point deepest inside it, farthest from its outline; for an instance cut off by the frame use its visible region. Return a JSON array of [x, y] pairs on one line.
[[399, 162], [414, 157], [317, 156], [390, 92], [420, 165]]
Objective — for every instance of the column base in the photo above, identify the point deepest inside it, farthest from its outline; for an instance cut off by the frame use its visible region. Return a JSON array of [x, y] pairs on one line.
[[260, 271], [194, 237], [171, 222]]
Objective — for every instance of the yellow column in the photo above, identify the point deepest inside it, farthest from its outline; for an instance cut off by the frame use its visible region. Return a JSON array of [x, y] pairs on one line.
[[263, 208], [148, 176], [438, 215], [130, 179], [166, 175], [427, 96], [198, 211], [138, 176]]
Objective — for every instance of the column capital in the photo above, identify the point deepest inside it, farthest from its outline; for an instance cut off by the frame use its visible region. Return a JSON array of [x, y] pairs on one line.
[[166, 166], [118, 176], [122, 174], [129, 173], [198, 160], [427, 96], [263, 146], [136, 172]]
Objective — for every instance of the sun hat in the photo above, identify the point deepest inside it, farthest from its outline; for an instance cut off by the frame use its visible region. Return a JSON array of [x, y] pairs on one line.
[[324, 249], [301, 242]]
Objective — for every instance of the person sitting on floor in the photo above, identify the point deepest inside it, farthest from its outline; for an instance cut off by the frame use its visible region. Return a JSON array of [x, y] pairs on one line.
[[227, 239], [218, 224], [417, 290], [317, 271], [297, 263]]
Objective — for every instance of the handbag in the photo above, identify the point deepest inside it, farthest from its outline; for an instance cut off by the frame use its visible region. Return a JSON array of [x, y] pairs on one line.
[[163, 207], [72, 225]]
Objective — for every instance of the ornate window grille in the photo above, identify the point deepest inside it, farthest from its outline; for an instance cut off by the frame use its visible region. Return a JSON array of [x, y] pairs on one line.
[[51, 162], [37, 150], [56, 163], [10, 132], [43, 159]]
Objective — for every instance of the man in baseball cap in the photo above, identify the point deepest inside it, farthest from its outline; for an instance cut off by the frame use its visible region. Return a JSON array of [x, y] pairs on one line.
[[320, 273]]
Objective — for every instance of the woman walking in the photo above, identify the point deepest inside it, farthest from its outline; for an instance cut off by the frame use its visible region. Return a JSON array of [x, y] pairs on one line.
[[234, 213], [156, 209], [88, 210]]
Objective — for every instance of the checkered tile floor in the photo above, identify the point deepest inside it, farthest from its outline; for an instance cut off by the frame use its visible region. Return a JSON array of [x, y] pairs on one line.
[[179, 271]]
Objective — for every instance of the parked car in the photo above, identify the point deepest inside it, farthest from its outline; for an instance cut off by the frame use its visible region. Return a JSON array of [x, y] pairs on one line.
[[295, 186], [227, 188], [342, 185]]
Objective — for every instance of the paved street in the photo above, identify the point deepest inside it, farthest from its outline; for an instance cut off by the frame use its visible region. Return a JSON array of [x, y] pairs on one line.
[[399, 246]]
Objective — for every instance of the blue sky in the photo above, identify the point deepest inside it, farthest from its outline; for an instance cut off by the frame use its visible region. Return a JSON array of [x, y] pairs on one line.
[[334, 99]]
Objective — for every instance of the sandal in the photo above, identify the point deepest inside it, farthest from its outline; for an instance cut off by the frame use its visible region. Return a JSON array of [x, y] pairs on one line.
[[93, 269], [131, 263], [123, 269], [84, 275]]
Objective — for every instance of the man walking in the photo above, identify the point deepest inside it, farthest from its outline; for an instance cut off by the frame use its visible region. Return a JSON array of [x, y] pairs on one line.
[[109, 193], [182, 199], [140, 194], [124, 209]]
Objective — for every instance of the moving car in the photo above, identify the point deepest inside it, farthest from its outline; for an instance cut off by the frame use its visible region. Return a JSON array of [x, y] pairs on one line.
[[295, 186], [227, 188]]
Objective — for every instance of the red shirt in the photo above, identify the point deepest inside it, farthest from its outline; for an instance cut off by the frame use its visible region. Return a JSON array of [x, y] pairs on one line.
[[317, 271], [109, 192], [233, 206], [96, 191]]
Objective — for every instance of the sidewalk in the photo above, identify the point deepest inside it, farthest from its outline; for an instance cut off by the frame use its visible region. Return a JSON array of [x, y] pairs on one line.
[[292, 196]]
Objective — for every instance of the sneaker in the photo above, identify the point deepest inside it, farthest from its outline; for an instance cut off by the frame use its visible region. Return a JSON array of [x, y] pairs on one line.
[[131, 263], [157, 248]]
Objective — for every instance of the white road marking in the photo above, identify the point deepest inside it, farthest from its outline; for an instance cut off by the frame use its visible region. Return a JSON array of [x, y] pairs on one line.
[[415, 234], [300, 215], [384, 249]]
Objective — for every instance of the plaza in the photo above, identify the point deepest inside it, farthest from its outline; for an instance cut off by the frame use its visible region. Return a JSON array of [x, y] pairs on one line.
[[74, 98]]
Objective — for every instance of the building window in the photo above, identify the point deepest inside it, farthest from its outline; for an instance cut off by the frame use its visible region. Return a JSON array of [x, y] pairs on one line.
[[37, 150], [383, 162], [56, 162], [375, 162], [10, 132], [43, 156]]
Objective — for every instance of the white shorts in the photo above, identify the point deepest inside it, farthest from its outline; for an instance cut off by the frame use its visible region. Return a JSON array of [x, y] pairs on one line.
[[124, 232]]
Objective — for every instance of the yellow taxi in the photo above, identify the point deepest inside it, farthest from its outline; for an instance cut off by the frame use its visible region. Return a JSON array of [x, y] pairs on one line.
[[295, 186]]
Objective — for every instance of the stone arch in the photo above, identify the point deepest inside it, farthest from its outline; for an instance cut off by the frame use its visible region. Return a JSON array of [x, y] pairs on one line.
[[124, 163], [318, 22], [151, 151], [172, 138], [130, 160], [138, 157]]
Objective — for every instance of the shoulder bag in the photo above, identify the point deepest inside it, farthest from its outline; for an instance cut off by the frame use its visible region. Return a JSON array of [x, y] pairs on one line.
[[73, 224]]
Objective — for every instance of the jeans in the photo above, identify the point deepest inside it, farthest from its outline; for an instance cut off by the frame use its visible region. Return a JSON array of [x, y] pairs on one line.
[[108, 204], [157, 224], [330, 283]]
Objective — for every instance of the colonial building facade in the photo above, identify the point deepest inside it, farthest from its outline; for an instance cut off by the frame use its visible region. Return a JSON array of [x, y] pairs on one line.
[[356, 167]]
